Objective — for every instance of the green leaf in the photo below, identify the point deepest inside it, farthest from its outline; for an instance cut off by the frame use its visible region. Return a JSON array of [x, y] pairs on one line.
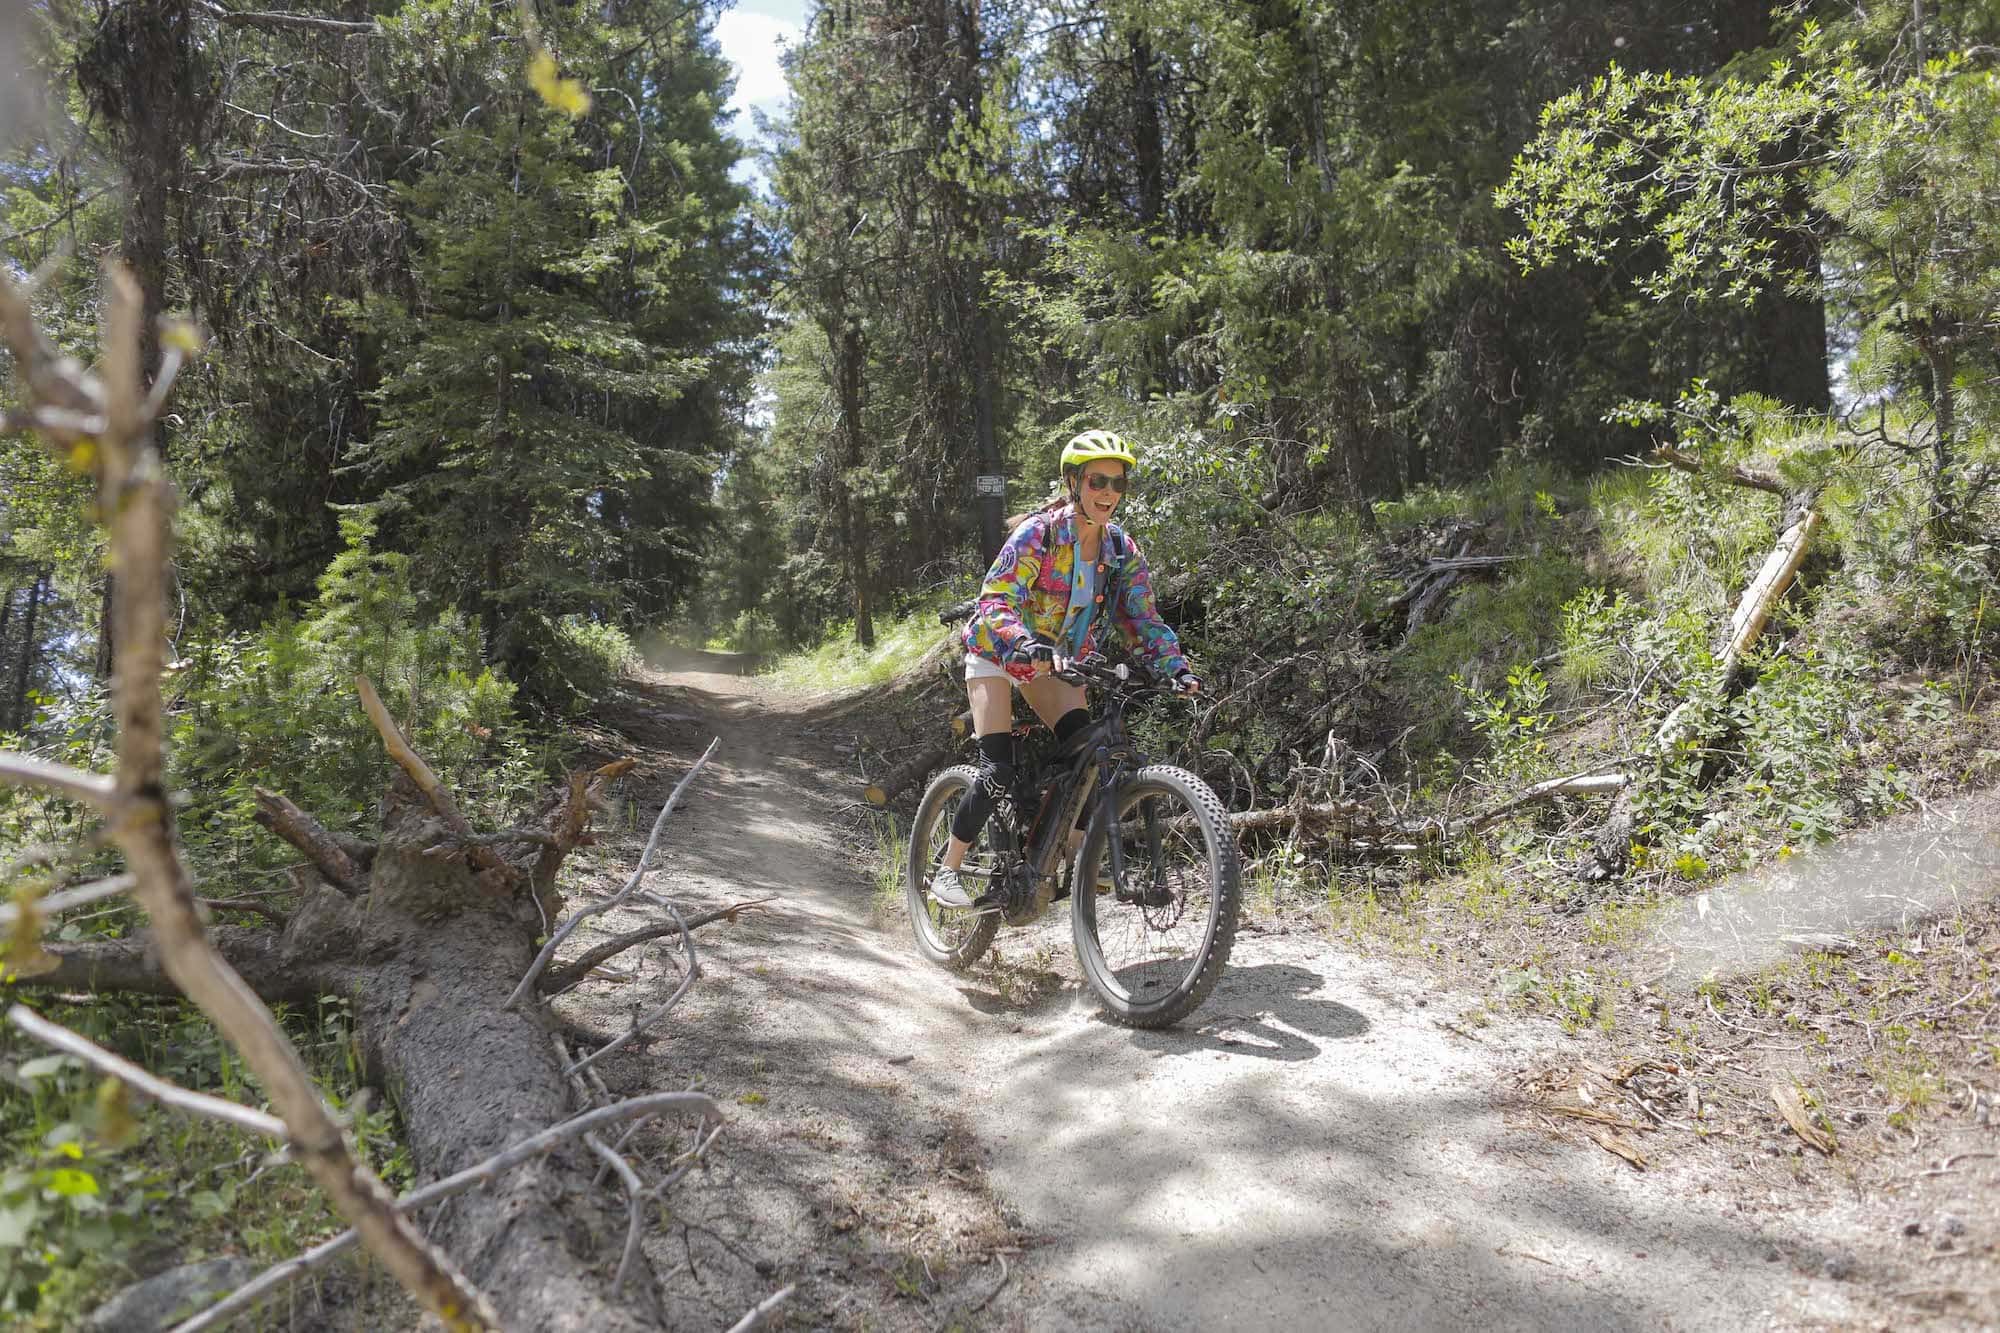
[[69, 1182], [17, 1222], [48, 1066]]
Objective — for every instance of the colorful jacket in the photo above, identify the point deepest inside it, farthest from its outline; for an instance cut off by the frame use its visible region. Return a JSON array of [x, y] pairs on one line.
[[1027, 591]]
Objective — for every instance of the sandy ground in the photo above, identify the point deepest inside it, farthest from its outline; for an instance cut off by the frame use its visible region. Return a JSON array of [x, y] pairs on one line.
[[1317, 1148]]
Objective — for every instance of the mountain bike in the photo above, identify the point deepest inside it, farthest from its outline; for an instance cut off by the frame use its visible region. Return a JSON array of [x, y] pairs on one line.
[[1154, 888]]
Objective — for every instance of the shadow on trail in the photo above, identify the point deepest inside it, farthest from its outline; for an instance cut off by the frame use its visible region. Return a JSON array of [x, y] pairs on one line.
[[1266, 1011]]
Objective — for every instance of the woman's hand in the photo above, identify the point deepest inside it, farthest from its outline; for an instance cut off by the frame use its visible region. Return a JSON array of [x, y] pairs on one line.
[[1187, 683]]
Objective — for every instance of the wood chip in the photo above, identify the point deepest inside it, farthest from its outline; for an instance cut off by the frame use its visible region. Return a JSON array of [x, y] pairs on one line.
[[1794, 1111], [1619, 1147]]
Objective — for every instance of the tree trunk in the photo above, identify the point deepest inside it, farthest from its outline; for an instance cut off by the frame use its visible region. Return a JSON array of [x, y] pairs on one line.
[[968, 93], [6, 616], [1944, 435], [1148, 142], [21, 714], [472, 1078], [849, 355]]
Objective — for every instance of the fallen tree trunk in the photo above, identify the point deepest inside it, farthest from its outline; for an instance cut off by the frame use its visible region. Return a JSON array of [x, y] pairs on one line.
[[472, 1078], [1361, 823]]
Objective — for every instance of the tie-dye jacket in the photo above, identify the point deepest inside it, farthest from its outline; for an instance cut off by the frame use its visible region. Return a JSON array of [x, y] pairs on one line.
[[1027, 592]]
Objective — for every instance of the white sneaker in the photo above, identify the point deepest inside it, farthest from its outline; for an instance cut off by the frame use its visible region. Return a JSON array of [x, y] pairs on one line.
[[948, 890]]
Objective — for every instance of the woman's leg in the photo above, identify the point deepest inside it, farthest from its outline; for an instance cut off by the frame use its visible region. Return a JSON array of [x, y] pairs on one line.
[[992, 700], [1062, 708]]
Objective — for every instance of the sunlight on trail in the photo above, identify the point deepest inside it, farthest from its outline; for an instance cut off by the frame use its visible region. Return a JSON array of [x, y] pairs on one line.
[[1890, 877]]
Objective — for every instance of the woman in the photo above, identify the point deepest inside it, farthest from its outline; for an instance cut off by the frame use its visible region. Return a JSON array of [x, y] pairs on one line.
[[1065, 572]]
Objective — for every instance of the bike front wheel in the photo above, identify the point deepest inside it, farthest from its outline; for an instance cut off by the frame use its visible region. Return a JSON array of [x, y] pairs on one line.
[[1154, 945], [949, 936]]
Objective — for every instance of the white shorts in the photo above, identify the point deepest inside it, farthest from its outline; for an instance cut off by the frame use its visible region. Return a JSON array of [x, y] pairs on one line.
[[978, 668]]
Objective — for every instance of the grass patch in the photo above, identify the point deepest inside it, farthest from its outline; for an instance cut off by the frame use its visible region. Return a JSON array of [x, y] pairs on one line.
[[891, 855], [838, 663], [100, 1188]]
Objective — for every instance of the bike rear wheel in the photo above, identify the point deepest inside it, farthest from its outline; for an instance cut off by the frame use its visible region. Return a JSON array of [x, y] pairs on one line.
[[951, 937], [1155, 950]]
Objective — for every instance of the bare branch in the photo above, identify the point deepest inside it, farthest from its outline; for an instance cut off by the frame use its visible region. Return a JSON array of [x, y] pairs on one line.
[[763, 1310], [557, 980], [82, 896], [274, 22], [641, 1025], [277, 814], [408, 759], [169, 1095], [577, 918], [253, 1292], [635, 1202], [427, 781], [21, 771], [1737, 474]]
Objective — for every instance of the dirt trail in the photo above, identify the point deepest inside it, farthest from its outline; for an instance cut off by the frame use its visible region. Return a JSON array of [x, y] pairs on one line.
[[1314, 1149]]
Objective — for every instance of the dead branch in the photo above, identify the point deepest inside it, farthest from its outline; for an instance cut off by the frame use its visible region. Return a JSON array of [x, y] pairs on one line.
[[132, 965], [497, 874], [763, 1311], [577, 917], [253, 1292], [1737, 474], [137, 498], [278, 815], [643, 1024], [274, 22], [169, 1095], [57, 903], [18, 770], [1753, 610], [250, 905], [1367, 828], [1580, 784], [635, 1202], [559, 979]]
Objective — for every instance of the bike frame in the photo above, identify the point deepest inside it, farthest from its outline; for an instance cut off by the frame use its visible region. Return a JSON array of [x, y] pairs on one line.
[[1103, 754]]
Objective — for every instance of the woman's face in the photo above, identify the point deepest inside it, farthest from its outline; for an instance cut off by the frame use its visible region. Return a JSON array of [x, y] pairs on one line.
[[1096, 497]]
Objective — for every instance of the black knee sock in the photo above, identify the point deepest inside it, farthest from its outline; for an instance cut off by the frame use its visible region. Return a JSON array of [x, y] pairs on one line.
[[996, 774]]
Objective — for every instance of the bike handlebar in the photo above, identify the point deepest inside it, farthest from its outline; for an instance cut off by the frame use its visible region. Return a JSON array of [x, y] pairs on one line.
[[1094, 670]]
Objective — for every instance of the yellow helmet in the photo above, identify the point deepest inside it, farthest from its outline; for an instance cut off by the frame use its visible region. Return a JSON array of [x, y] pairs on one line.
[[1095, 444]]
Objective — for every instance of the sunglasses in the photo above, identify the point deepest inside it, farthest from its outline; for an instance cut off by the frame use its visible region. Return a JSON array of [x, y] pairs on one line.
[[1097, 481]]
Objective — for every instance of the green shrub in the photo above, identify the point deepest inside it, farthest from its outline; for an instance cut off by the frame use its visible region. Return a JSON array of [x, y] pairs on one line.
[[278, 708]]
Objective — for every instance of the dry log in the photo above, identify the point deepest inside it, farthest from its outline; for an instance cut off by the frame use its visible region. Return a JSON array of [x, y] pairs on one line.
[[1753, 610], [278, 815], [473, 1077], [906, 775]]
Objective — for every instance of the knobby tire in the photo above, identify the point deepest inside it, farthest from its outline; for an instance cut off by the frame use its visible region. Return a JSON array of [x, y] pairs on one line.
[[946, 936], [1158, 992]]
